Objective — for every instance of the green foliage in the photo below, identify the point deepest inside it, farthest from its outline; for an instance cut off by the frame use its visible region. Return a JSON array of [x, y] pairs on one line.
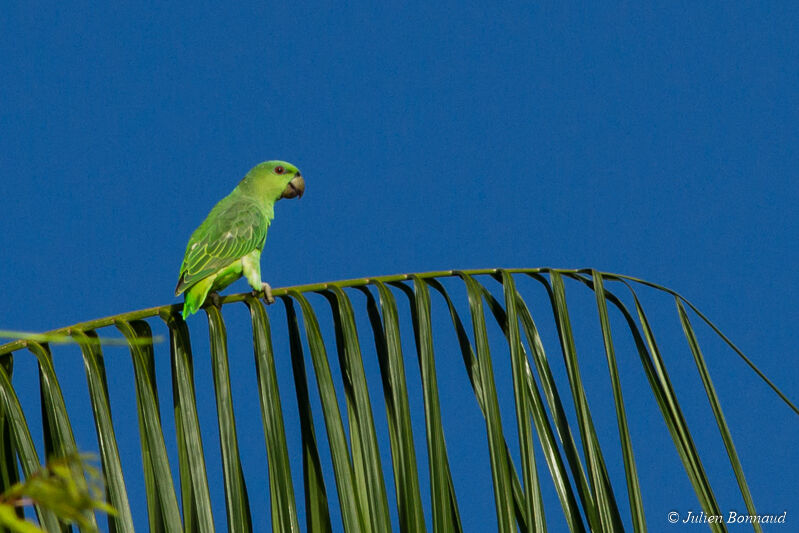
[[573, 460], [55, 338], [69, 487]]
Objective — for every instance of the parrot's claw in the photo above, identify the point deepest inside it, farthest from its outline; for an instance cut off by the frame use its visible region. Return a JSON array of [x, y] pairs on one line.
[[215, 299], [266, 292]]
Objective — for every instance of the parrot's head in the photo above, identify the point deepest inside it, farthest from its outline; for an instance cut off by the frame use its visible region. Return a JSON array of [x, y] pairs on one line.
[[278, 179]]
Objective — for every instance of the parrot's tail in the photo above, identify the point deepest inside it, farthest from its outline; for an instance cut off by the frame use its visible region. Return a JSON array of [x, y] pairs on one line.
[[195, 296]]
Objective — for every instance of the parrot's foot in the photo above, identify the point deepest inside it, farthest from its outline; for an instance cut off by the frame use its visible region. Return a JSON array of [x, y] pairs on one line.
[[266, 292], [215, 300]]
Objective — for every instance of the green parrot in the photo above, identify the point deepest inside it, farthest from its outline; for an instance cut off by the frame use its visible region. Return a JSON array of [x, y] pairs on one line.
[[228, 243]]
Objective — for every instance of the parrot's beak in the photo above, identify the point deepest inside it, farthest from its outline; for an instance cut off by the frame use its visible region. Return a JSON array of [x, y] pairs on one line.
[[295, 188]]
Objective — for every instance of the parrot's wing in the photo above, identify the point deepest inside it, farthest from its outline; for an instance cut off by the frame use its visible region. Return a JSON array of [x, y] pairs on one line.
[[231, 231]]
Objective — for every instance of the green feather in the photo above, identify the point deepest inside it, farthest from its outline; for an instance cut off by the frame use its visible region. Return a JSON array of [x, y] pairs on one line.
[[235, 227]]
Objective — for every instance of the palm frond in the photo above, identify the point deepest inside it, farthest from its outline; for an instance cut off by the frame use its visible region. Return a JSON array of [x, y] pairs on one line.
[[548, 448]]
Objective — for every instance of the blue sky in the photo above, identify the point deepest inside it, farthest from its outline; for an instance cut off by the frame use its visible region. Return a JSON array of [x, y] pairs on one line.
[[655, 141]]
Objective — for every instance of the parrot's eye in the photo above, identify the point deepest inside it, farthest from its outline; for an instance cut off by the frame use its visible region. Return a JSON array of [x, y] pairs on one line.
[[279, 170]]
